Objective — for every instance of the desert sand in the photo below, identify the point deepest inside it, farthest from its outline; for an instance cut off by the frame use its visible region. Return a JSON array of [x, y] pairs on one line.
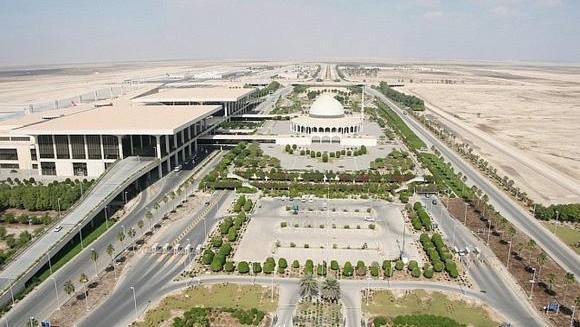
[[524, 119]]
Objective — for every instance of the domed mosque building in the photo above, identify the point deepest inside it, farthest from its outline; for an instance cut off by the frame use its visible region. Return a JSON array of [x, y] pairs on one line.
[[327, 122]]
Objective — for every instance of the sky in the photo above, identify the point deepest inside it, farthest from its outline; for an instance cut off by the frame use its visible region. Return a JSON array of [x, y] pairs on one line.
[[38, 32]]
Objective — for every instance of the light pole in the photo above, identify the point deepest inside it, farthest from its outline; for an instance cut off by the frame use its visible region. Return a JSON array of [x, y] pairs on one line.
[[58, 205], [533, 281], [49, 263], [94, 254], [134, 301], [31, 319], [107, 216], [272, 288], [125, 196], [56, 291], [81, 235], [465, 215], [509, 255]]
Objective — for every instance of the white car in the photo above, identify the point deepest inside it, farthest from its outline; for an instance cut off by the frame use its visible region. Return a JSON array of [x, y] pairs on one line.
[[57, 229], [371, 219], [178, 168]]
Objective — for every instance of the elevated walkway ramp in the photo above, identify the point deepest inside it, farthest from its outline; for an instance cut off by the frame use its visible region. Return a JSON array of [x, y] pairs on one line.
[[122, 174]]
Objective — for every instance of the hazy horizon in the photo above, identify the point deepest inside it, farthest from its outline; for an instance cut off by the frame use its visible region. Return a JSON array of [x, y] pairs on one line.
[[68, 32]]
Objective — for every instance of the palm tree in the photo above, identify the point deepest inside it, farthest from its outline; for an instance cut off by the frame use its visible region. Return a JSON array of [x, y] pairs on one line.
[[69, 287], [121, 237], [330, 290], [576, 305], [132, 233], [531, 245], [568, 279], [308, 286], [542, 258], [94, 258], [140, 224], [111, 251], [84, 280], [149, 217], [551, 279]]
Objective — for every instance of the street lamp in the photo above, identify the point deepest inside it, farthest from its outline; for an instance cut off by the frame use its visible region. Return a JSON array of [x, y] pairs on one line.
[[58, 205], [56, 291], [533, 281], [134, 301], [106, 216]]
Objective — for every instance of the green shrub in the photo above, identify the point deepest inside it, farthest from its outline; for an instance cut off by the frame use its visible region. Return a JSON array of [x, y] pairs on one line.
[[347, 270], [309, 267], [283, 224], [207, 257], [380, 321], [282, 263], [374, 269], [216, 242], [428, 273], [243, 267], [256, 267], [295, 264], [334, 265], [387, 268], [399, 265], [229, 266]]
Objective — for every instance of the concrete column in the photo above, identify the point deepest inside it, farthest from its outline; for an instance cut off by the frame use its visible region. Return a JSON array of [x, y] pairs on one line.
[[132, 146], [157, 146], [102, 147], [226, 105], [69, 148], [166, 145], [120, 138]]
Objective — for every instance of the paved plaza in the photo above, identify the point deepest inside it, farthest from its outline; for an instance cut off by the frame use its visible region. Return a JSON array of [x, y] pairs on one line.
[[319, 231], [344, 163]]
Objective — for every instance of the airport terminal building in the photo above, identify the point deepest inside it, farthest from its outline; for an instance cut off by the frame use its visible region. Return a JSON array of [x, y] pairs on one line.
[[85, 140]]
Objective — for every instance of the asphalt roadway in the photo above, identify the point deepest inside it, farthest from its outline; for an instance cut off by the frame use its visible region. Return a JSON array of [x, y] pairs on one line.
[[496, 285], [525, 222], [151, 274], [42, 301]]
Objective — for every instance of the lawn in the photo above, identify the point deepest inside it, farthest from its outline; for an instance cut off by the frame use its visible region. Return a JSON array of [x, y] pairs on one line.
[[420, 302], [567, 234], [217, 296]]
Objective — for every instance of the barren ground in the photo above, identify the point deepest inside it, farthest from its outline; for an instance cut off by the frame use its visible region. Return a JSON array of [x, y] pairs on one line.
[[523, 119]]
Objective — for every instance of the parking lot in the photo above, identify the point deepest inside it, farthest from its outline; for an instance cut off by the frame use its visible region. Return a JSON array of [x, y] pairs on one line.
[[335, 230]]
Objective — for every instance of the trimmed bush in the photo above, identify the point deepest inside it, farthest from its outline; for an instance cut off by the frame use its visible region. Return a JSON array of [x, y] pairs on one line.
[[347, 270], [334, 265], [295, 264], [216, 242], [229, 266], [399, 265], [243, 267], [387, 268], [309, 267], [256, 268]]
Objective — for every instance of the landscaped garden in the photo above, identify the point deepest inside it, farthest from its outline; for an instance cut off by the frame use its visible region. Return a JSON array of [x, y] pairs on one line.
[[421, 308], [216, 305]]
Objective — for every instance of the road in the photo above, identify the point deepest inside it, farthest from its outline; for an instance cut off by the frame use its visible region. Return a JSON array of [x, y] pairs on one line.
[[106, 188], [42, 301], [559, 251], [151, 274], [501, 290], [270, 102]]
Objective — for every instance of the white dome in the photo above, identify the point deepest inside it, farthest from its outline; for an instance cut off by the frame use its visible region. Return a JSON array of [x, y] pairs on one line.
[[326, 106]]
